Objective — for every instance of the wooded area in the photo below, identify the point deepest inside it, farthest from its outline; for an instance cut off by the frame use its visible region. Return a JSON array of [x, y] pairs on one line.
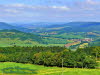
[[52, 56]]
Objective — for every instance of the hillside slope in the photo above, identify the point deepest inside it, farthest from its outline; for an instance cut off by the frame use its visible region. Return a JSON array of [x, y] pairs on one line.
[[18, 34], [4, 25], [14, 37], [74, 27]]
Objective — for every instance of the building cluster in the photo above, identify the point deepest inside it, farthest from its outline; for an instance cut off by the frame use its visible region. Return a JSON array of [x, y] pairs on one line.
[[77, 41]]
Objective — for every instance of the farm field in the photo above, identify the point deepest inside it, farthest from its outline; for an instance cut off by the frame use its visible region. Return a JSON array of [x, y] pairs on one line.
[[11, 68], [83, 45], [7, 42]]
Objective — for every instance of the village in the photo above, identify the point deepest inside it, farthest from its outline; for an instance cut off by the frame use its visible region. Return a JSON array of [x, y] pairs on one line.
[[78, 41]]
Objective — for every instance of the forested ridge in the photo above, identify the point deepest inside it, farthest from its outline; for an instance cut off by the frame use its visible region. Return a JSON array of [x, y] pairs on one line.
[[52, 56]]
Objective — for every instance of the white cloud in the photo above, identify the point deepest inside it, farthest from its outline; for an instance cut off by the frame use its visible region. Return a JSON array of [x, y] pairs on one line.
[[86, 8], [11, 11], [16, 8], [91, 2], [61, 7], [17, 5]]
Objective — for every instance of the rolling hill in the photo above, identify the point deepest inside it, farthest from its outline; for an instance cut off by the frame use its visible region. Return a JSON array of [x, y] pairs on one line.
[[15, 37], [4, 25], [74, 27], [18, 34], [51, 34], [57, 27], [61, 33]]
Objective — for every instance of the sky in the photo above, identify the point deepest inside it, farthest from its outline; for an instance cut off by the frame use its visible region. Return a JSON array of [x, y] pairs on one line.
[[49, 10]]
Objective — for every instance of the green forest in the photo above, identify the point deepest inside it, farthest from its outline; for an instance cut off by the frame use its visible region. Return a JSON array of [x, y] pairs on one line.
[[52, 56]]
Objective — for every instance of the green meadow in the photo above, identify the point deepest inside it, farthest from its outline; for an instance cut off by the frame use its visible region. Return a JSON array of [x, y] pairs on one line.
[[7, 42], [12, 68]]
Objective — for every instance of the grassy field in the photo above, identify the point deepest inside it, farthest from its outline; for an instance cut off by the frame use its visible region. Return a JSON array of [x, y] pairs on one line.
[[6, 42], [11, 68]]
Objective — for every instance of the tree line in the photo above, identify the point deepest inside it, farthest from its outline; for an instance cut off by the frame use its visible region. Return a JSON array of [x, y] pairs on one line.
[[51, 56]]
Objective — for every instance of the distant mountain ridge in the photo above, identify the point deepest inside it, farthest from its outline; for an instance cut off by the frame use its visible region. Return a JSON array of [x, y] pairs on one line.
[[4, 25], [75, 27], [50, 34], [62, 27], [34, 24], [76, 24]]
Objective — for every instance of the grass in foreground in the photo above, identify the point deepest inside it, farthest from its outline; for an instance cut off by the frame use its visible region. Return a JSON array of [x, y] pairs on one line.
[[29, 69]]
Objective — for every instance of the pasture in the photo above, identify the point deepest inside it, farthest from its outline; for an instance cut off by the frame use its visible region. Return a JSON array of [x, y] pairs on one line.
[[12, 68], [7, 42]]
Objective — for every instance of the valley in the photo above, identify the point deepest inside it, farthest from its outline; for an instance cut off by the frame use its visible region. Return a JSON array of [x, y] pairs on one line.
[[49, 37], [48, 50], [63, 34]]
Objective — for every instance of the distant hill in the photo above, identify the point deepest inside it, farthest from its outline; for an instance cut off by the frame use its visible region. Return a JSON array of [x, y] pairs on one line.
[[35, 24], [74, 27], [61, 33], [51, 34], [57, 27], [4, 25], [15, 34]]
